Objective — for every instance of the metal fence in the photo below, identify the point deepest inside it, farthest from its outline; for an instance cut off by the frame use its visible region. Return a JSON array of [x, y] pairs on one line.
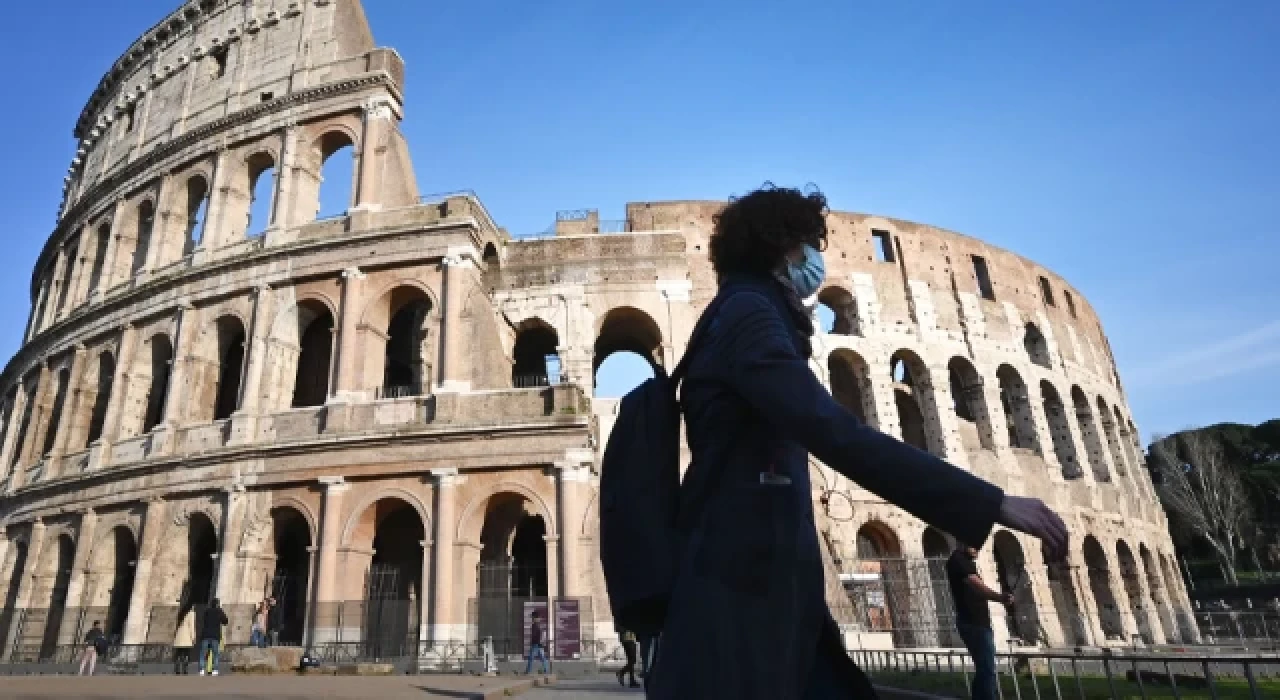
[[1085, 676], [1255, 631]]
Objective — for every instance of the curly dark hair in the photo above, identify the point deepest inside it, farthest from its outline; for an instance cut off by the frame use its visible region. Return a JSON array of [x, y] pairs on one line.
[[755, 231]]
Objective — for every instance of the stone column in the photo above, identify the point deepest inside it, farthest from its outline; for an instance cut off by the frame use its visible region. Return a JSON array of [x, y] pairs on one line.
[[79, 570], [936, 402], [229, 542], [1085, 601], [244, 421], [1046, 606], [70, 410], [216, 233], [455, 369], [153, 525], [1155, 621], [25, 583], [53, 312], [346, 385], [328, 594], [107, 280], [282, 217], [379, 112], [100, 454], [555, 586], [424, 592], [444, 626], [175, 396], [35, 428], [17, 415], [573, 476]]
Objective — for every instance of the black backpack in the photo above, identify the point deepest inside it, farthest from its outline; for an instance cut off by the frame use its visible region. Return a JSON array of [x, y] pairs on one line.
[[640, 546]]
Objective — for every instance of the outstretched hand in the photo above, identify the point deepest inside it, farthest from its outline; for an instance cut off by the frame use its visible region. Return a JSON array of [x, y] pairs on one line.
[[1032, 516]]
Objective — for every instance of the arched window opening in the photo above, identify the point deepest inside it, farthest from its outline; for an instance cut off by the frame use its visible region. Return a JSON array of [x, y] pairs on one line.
[[1113, 440], [620, 373], [970, 404], [536, 358], [109, 584], [10, 607], [1089, 432], [216, 64], [406, 371], [102, 398], [490, 255], [202, 545], [71, 251], [1036, 346], [1159, 596], [1095, 559], [59, 580], [838, 312], [626, 329], [1064, 446], [102, 240], [882, 589], [146, 220], [28, 410], [231, 349], [55, 416], [315, 354], [261, 188], [1132, 579], [1011, 574], [337, 175], [158, 392], [1019, 418], [197, 207], [851, 382], [291, 538], [909, 398]]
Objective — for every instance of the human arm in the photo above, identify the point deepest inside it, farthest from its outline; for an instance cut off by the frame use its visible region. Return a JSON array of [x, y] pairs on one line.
[[981, 588], [761, 364]]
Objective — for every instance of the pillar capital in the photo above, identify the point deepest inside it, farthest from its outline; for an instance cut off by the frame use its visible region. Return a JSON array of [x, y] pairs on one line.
[[333, 484], [353, 273], [447, 476]]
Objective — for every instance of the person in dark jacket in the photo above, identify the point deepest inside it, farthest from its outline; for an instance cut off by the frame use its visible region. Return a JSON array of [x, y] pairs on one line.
[[95, 645], [211, 636], [748, 616]]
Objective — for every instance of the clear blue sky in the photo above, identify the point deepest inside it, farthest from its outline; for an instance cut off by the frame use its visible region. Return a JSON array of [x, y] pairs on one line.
[[1132, 147]]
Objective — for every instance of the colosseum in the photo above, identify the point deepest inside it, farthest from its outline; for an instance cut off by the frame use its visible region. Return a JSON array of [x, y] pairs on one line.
[[386, 418]]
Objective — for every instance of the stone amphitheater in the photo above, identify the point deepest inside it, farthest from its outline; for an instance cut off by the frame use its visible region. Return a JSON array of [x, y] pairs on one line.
[[386, 418]]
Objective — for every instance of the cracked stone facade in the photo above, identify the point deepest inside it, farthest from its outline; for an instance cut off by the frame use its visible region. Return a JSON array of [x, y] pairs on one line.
[[359, 407]]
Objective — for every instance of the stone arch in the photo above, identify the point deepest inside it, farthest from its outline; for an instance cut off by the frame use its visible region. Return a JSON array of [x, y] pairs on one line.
[[1089, 431], [969, 402], [142, 235], [887, 599], [260, 168], [110, 576], [471, 520], [1113, 441], [14, 570], [1018, 415], [55, 414], [100, 397], [1033, 341], [1132, 579], [288, 578], [361, 509], [1013, 577], [1064, 445], [916, 402], [156, 377], [300, 353], [851, 384], [383, 566], [937, 548], [1159, 596], [398, 340], [50, 583], [1172, 578], [218, 368], [1127, 443], [1066, 603], [628, 329], [842, 306], [184, 570], [319, 159], [195, 212], [535, 355], [1099, 571], [101, 242]]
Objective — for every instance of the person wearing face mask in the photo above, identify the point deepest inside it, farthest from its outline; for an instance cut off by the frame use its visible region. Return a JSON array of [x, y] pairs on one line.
[[747, 615]]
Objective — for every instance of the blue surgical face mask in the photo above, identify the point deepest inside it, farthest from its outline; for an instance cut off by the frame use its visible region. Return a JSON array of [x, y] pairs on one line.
[[808, 274]]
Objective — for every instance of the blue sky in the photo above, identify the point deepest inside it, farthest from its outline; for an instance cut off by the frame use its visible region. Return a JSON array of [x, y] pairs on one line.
[[1132, 147]]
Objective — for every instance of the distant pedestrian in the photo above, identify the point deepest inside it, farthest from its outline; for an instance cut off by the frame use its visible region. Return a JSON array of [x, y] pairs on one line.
[[95, 645], [211, 637], [628, 648], [258, 631], [536, 635], [184, 638], [973, 618]]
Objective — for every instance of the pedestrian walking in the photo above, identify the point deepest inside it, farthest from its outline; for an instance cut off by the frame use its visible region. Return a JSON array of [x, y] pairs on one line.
[[972, 598], [258, 630], [536, 634], [95, 645], [211, 637], [628, 648], [746, 616], [184, 638]]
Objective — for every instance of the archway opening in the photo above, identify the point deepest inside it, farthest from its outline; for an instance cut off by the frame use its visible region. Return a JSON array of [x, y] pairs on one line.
[[230, 358], [391, 534], [24, 426], [110, 582], [58, 575], [937, 549], [102, 397], [18, 557], [1066, 602], [337, 175], [197, 206], [158, 391], [1133, 589], [626, 329], [291, 539], [851, 382], [102, 241], [407, 370], [315, 355], [1037, 347], [906, 369], [512, 570], [838, 312], [261, 172], [885, 593], [142, 240], [1095, 559], [620, 373], [1159, 596], [536, 355], [1089, 432], [55, 416], [1011, 572], [970, 405], [202, 545], [1064, 446], [1113, 441], [1016, 403]]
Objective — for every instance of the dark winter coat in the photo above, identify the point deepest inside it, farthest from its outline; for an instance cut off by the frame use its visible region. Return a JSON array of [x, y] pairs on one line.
[[748, 615], [211, 626]]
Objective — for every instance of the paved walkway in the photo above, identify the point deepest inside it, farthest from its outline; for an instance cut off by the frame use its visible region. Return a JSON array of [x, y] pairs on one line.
[[261, 687], [602, 688]]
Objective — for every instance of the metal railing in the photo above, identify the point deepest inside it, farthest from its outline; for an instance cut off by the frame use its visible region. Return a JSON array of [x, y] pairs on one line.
[[1081, 675]]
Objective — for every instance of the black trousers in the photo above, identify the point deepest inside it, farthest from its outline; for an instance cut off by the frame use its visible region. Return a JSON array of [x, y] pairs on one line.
[[181, 660], [629, 648]]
